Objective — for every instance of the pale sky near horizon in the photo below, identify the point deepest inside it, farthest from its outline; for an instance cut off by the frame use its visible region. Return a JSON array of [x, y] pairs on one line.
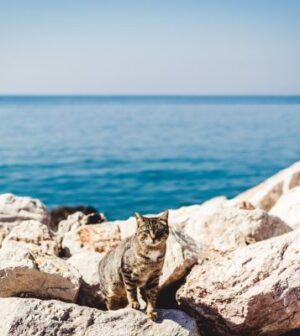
[[150, 47]]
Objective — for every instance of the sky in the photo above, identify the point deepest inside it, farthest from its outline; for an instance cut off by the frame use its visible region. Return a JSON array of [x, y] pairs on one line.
[[150, 47]]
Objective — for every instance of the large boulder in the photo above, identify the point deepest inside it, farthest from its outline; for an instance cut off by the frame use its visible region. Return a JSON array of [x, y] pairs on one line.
[[14, 210], [27, 272], [288, 208], [266, 194], [98, 237], [230, 227], [188, 217], [182, 254], [32, 232], [254, 290], [25, 317], [87, 263]]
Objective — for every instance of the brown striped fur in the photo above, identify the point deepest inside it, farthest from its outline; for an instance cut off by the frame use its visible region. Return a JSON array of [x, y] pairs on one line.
[[135, 263]]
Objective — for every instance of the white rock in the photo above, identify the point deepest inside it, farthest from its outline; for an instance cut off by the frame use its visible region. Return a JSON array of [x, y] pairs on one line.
[[288, 208], [71, 224], [255, 290], [195, 218], [99, 237], [231, 227], [87, 263], [127, 227], [32, 232], [182, 253], [24, 317], [189, 217], [266, 194], [14, 210], [26, 271]]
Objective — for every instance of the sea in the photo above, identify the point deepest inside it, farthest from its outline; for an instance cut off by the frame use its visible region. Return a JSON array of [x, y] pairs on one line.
[[123, 154]]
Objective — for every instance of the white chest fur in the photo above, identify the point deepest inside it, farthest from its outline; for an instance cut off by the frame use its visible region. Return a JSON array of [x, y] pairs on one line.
[[153, 255]]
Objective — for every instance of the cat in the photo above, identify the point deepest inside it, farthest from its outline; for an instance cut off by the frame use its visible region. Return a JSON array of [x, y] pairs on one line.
[[136, 263]]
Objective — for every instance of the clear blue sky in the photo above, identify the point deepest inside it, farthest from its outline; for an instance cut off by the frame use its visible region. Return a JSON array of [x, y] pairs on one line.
[[150, 47]]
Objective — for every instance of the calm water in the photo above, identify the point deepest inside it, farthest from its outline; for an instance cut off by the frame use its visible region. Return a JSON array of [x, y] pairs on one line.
[[126, 154]]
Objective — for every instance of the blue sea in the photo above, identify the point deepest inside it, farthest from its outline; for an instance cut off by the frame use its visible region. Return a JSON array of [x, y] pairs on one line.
[[122, 154]]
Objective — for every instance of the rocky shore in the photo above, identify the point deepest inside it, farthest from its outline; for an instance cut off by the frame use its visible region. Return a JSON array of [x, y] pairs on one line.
[[232, 267]]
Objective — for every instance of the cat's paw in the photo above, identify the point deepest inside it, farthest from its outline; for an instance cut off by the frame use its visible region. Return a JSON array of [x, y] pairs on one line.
[[135, 305], [152, 315]]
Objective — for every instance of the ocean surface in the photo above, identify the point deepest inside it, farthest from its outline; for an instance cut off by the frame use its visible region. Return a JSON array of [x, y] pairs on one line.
[[126, 154]]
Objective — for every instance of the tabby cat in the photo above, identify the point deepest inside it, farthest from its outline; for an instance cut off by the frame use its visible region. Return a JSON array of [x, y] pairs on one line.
[[136, 263]]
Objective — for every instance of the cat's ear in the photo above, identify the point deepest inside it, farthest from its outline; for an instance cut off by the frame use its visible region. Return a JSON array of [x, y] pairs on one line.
[[164, 216], [139, 218]]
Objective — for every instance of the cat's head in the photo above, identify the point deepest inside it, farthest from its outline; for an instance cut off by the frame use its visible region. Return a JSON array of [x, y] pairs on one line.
[[152, 231]]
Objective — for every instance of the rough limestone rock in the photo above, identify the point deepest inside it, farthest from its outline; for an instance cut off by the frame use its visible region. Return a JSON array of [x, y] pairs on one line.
[[70, 225], [288, 208], [189, 216], [98, 237], [28, 272], [182, 254], [252, 291], [127, 227], [87, 263], [14, 210], [25, 317], [266, 194], [32, 232], [232, 227]]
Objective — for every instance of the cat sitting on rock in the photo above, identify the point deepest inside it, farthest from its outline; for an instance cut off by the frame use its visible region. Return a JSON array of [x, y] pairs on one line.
[[136, 264]]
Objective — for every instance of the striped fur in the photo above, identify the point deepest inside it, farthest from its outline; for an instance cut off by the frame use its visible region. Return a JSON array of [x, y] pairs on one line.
[[135, 263]]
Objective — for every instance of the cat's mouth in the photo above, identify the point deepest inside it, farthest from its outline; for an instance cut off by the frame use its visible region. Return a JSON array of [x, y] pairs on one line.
[[155, 242]]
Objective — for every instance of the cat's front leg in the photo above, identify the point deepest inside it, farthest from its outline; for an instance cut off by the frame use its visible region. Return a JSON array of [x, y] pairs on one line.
[[131, 291], [151, 290]]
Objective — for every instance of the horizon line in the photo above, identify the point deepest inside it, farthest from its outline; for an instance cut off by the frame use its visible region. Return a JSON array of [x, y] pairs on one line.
[[145, 95]]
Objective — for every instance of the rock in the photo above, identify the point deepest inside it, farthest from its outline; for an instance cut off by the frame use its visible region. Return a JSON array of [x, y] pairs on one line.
[[98, 237], [26, 271], [32, 232], [231, 227], [61, 213], [182, 254], [288, 208], [189, 216], [72, 223], [254, 290], [87, 264], [127, 227], [25, 317], [14, 210], [267, 193]]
